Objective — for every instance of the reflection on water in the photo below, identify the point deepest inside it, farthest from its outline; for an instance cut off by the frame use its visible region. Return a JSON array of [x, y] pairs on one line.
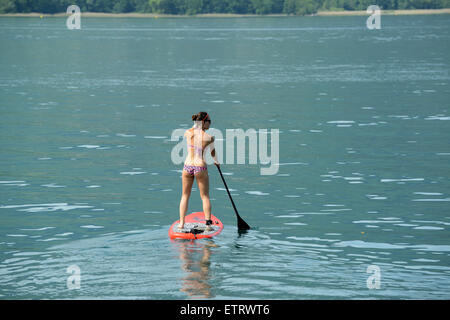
[[145, 264], [195, 262]]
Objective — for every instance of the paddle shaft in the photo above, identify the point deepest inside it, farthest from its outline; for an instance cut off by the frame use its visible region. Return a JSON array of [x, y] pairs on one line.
[[241, 223]]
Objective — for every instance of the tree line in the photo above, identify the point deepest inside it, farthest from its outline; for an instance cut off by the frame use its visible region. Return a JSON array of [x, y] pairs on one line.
[[190, 7]]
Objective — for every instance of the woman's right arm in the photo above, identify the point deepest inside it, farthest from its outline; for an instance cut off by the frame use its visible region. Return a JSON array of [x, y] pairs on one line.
[[213, 152]]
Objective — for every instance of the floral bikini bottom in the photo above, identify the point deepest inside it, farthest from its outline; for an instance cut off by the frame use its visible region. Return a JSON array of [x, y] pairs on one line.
[[193, 170]]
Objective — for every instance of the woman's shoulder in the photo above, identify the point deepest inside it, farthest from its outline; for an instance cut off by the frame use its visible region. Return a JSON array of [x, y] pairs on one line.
[[208, 137]]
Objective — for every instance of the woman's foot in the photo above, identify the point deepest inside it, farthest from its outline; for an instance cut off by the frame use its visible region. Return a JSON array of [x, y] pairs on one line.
[[181, 226], [208, 225]]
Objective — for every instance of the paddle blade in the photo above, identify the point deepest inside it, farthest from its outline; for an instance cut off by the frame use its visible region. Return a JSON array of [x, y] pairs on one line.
[[242, 225]]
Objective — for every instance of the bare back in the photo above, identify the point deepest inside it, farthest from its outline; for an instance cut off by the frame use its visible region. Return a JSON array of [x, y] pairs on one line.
[[197, 142]]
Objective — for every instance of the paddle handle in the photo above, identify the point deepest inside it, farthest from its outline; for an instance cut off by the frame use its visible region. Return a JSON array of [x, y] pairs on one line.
[[228, 191]]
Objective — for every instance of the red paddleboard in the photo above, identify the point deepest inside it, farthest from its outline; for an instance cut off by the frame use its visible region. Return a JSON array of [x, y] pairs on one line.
[[195, 227]]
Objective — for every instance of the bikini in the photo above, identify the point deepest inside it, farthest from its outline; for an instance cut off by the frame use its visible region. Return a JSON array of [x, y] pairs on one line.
[[193, 170]]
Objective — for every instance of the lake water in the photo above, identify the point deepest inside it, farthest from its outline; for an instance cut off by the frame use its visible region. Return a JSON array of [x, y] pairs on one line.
[[86, 175]]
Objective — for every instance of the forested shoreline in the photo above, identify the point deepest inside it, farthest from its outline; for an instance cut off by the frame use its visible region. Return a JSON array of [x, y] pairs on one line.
[[191, 7]]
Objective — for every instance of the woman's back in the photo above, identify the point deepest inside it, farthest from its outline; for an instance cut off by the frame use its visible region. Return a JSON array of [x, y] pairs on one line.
[[197, 141]]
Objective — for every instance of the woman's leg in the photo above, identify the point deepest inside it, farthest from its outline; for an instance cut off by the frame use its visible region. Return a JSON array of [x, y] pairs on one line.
[[203, 186], [188, 180]]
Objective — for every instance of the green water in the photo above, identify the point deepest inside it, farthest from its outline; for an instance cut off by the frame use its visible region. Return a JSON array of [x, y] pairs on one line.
[[86, 175]]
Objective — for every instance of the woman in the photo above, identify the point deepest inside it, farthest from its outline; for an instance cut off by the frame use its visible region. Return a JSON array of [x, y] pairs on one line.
[[195, 165]]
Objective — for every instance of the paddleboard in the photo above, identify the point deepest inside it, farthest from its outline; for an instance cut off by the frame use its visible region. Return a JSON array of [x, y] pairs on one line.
[[195, 227]]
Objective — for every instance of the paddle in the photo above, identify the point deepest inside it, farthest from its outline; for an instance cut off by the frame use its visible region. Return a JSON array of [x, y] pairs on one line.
[[241, 224]]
